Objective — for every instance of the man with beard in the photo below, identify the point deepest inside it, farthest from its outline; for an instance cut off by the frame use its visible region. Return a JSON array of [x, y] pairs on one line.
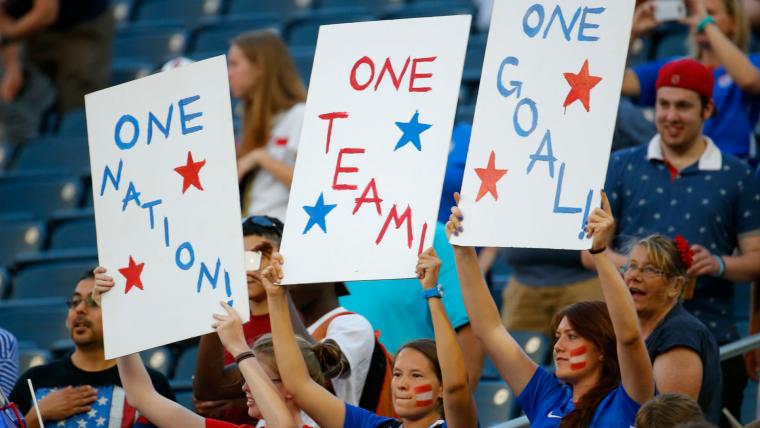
[[83, 388]]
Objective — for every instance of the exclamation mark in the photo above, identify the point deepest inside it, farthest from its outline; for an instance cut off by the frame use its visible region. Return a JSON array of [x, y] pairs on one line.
[[227, 286], [585, 214], [422, 238]]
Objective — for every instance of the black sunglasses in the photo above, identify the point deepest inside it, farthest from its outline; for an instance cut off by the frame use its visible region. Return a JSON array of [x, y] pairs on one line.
[[264, 222]]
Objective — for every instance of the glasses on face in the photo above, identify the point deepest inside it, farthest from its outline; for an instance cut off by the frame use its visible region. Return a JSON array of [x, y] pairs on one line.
[[74, 302], [647, 271], [265, 222]]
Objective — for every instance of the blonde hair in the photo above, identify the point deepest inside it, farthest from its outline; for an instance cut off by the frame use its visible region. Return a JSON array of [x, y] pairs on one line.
[[278, 89], [324, 360], [741, 36], [667, 411], [663, 254]]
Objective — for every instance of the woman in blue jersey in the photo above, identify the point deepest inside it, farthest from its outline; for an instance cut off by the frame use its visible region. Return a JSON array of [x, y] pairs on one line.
[[428, 381], [603, 373]]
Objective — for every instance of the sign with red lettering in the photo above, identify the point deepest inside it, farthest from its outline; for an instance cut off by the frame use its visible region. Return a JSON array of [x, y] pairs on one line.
[[373, 148], [544, 120]]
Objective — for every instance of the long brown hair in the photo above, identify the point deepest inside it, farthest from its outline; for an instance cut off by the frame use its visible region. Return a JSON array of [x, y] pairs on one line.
[[591, 320], [278, 89]]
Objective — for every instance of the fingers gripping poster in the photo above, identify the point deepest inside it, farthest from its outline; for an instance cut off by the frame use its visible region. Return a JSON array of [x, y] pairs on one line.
[[167, 208], [543, 122], [373, 148]]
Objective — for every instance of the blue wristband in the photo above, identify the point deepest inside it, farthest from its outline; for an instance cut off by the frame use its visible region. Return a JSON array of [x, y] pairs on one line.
[[436, 292], [707, 20], [721, 265]]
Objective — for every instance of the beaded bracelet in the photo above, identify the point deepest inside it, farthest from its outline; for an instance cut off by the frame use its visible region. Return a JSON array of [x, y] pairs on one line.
[[242, 356]]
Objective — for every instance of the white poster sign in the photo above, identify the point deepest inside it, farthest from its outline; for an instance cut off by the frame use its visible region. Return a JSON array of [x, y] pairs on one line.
[[373, 148], [167, 208], [543, 122]]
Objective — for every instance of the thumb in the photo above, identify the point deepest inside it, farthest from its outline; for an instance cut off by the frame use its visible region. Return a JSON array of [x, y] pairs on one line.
[[606, 203], [457, 196]]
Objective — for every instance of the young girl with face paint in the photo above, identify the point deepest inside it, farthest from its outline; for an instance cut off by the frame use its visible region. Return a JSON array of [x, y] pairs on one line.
[[428, 380], [603, 373]]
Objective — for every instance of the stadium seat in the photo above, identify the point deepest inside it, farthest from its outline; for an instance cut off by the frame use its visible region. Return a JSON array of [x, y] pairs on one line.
[[40, 321], [20, 236], [534, 344], [159, 359], [428, 8], [465, 113], [670, 40], [186, 364], [154, 43], [213, 38], [73, 123], [374, 5], [283, 8], [127, 70], [185, 398], [304, 60], [54, 155], [188, 11], [38, 194], [32, 357], [121, 11], [74, 232], [54, 274], [303, 32], [6, 154], [473, 59], [495, 402], [4, 283]]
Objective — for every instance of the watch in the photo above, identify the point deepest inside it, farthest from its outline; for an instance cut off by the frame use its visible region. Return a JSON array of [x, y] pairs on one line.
[[436, 292]]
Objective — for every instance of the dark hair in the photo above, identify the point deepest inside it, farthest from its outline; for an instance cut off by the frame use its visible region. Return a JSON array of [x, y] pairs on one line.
[[668, 410], [265, 226], [90, 274], [591, 320], [324, 360]]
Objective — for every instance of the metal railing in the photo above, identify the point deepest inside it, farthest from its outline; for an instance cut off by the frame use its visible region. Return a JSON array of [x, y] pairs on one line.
[[727, 351]]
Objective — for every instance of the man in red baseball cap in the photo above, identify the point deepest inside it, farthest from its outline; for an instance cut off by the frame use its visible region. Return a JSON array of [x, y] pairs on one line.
[[682, 184]]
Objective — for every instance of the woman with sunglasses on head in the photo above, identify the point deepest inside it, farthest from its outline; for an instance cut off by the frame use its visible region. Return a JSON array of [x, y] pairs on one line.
[[262, 75], [429, 384], [603, 373], [684, 353]]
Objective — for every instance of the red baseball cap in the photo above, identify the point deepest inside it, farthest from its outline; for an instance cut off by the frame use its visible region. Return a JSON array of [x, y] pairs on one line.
[[687, 74]]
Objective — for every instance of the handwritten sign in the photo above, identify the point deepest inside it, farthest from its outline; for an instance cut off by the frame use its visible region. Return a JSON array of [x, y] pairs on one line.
[[373, 148], [167, 209], [543, 121]]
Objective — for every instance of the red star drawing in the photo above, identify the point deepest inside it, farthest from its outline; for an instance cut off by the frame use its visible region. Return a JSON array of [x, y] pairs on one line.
[[581, 85], [189, 173], [488, 178], [132, 274]]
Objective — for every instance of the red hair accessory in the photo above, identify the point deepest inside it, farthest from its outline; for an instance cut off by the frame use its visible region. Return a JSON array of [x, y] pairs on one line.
[[684, 251]]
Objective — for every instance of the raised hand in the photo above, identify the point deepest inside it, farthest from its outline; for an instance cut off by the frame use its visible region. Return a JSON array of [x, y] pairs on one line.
[[272, 275], [601, 225], [428, 267], [229, 327], [454, 225], [644, 20], [703, 262], [103, 283]]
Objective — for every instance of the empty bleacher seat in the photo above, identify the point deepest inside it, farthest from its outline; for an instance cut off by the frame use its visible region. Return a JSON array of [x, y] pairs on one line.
[[495, 402], [4, 282], [60, 154], [185, 398], [426, 9], [303, 32], [73, 231], [534, 344], [281, 7], [155, 43], [186, 364], [6, 154], [73, 123], [303, 58], [127, 70], [40, 321], [670, 40], [188, 11], [159, 359], [32, 357], [473, 59], [374, 5], [213, 38], [19, 236], [38, 194], [54, 274]]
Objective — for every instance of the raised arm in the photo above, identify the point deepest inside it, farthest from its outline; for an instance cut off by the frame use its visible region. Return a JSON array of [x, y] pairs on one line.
[[229, 327], [635, 366], [459, 407], [513, 364], [326, 409]]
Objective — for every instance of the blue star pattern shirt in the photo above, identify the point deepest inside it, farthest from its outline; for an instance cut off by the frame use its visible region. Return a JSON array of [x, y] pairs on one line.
[[546, 400], [109, 410], [732, 127], [715, 202]]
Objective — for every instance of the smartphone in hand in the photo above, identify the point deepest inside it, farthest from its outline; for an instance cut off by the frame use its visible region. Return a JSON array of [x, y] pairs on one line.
[[669, 10], [252, 260]]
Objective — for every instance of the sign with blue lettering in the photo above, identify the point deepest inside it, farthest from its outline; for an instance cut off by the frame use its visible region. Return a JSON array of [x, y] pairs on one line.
[[167, 209], [544, 120]]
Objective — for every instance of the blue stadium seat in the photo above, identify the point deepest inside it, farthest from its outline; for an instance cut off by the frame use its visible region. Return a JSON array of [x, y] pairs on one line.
[[74, 232], [188, 11], [159, 359], [303, 58], [186, 364], [121, 11], [40, 321], [534, 344], [374, 5], [155, 43], [127, 70], [70, 155], [38, 194], [73, 123], [20, 236], [495, 402], [303, 32], [213, 38], [185, 398], [32, 357], [283, 8], [7, 151], [465, 113], [473, 59], [54, 274], [428, 8], [4, 283], [670, 40]]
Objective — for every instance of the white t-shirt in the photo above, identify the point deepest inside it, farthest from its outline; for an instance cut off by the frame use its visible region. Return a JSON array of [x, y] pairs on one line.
[[356, 338], [268, 195], [307, 421]]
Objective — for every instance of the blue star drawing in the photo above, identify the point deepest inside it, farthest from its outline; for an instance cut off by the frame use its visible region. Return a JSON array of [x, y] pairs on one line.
[[412, 131], [317, 214]]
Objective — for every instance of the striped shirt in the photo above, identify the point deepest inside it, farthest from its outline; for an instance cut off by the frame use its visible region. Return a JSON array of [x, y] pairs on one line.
[[8, 361]]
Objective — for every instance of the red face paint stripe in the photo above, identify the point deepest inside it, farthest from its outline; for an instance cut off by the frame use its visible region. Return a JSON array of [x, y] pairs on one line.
[[578, 351], [424, 403], [423, 388], [578, 366]]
